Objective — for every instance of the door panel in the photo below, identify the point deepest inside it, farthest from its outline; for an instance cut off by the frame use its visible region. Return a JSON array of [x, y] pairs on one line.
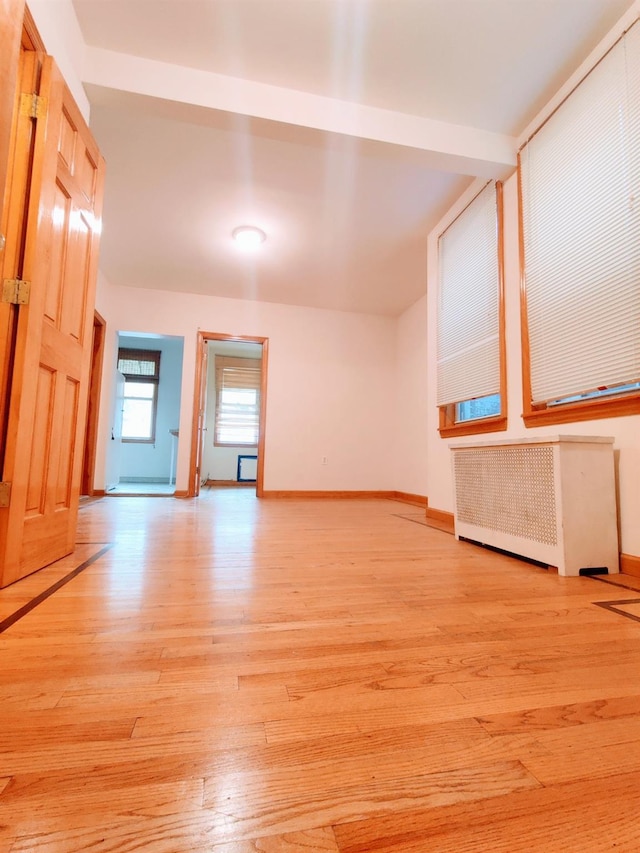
[[64, 480], [40, 443], [43, 459]]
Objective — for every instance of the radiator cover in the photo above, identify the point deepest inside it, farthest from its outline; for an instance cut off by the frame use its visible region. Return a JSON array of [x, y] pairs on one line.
[[550, 499]]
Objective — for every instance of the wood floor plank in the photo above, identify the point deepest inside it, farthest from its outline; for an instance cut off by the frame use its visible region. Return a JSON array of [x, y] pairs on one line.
[[48, 733], [113, 754], [157, 799], [307, 841], [7, 840], [195, 832], [582, 816], [595, 750], [145, 694], [559, 716], [425, 791], [325, 780], [207, 724], [621, 675]]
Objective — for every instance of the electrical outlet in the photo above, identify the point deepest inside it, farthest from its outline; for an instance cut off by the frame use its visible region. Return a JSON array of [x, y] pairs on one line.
[[324, 460]]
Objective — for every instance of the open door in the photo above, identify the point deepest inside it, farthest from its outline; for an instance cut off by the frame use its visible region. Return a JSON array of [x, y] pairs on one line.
[[53, 341]]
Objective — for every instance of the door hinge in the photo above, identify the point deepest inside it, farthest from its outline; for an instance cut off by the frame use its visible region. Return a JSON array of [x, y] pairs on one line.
[[5, 494], [32, 105], [15, 291]]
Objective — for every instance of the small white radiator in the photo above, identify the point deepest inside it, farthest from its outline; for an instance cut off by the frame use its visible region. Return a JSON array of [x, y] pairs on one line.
[[550, 499]]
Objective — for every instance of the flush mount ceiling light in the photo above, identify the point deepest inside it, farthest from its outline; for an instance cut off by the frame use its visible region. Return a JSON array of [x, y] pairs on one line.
[[248, 236]]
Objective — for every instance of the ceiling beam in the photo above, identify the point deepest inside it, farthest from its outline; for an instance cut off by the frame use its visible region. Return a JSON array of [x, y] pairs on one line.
[[447, 147]]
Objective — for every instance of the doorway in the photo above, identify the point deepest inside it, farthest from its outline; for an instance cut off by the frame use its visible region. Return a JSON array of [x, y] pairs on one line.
[[215, 458], [143, 441]]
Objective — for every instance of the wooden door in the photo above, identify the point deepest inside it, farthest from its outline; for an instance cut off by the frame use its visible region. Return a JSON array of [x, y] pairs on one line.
[[201, 392], [52, 353]]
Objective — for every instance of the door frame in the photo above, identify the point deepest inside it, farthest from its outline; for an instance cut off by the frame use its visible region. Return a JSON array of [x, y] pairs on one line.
[[93, 406], [199, 386]]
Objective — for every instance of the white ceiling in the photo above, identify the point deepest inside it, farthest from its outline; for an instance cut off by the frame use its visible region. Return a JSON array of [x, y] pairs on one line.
[[436, 91]]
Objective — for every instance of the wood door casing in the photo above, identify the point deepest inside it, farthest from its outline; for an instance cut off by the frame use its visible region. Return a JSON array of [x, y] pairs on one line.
[[47, 405], [199, 399], [93, 405], [203, 362], [11, 12], [14, 214]]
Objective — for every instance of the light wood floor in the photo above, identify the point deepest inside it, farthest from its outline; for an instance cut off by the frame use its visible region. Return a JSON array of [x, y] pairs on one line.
[[236, 675]]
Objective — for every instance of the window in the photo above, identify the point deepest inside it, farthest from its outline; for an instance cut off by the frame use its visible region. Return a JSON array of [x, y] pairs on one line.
[[482, 407], [579, 181], [141, 370], [237, 401], [470, 319]]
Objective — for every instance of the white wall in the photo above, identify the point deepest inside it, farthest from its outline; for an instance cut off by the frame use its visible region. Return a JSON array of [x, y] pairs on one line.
[[411, 402], [626, 431], [60, 32], [152, 461], [329, 380]]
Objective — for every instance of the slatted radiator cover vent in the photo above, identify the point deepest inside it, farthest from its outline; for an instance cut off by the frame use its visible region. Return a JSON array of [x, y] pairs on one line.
[[548, 498], [509, 490]]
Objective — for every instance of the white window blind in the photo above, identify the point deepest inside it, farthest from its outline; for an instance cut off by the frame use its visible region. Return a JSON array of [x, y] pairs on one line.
[[580, 183], [468, 303], [237, 400]]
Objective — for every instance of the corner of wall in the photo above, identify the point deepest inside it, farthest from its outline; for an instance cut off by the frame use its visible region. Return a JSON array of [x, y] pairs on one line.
[[60, 31]]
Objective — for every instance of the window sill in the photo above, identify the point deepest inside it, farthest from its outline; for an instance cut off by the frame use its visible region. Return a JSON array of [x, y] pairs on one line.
[[496, 424], [587, 411]]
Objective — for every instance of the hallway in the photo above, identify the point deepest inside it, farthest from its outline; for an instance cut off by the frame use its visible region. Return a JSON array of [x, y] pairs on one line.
[[227, 674]]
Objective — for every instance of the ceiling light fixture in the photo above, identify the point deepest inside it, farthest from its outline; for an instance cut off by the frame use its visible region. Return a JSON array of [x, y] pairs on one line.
[[248, 236]]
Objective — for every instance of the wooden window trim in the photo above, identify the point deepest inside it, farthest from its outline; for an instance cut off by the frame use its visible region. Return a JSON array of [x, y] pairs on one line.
[[583, 410], [448, 427]]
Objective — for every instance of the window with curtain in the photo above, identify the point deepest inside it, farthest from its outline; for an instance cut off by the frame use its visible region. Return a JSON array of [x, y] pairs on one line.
[[141, 370], [580, 200], [470, 323], [237, 419]]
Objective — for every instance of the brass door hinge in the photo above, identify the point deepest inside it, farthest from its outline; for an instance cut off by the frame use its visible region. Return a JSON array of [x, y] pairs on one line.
[[15, 291], [32, 106], [5, 494]]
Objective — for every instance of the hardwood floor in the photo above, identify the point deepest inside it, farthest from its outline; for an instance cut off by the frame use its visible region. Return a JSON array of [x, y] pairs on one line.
[[228, 675]]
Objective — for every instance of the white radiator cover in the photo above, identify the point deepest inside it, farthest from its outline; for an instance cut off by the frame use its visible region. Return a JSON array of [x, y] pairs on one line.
[[548, 498]]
